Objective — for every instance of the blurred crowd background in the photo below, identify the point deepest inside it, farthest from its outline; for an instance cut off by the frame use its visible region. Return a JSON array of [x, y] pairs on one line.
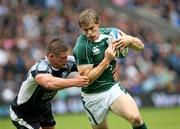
[[26, 26]]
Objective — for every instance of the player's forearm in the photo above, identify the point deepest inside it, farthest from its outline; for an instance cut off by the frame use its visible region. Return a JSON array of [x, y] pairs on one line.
[[60, 83], [97, 71], [54, 83], [136, 44]]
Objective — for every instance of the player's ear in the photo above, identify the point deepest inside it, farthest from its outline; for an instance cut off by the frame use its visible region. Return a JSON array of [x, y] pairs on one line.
[[82, 31], [51, 56]]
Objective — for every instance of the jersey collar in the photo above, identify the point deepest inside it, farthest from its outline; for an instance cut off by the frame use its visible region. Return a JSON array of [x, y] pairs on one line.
[[55, 69], [101, 37]]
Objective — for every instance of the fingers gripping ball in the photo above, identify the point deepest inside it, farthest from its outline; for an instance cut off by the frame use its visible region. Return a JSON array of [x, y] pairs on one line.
[[114, 35], [121, 54]]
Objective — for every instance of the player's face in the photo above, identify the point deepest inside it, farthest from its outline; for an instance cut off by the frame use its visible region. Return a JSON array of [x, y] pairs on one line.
[[91, 31], [58, 61]]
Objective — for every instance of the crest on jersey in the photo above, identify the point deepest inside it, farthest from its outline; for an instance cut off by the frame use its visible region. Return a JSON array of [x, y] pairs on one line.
[[95, 50]]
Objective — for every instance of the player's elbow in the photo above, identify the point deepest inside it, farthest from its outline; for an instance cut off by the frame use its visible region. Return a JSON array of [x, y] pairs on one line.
[[136, 44], [83, 72], [141, 46], [87, 74], [49, 85]]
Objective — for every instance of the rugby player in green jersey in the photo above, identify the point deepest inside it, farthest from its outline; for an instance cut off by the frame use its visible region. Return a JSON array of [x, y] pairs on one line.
[[96, 60]]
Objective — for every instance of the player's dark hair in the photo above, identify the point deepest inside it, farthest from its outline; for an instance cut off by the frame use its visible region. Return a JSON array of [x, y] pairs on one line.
[[55, 46], [88, 16]]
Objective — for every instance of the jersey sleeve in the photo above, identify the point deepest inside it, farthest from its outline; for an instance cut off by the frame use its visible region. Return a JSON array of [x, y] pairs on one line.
[[40, 67], [71, 65], [82, 51], [108, 30]]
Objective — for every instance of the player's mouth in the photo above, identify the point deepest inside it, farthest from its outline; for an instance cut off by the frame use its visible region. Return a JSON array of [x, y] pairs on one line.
[[93, 38]]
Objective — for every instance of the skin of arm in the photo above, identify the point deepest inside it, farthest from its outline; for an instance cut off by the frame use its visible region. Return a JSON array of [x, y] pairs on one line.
[[55, 83], [135, 43], [130, 41], [93, 73]]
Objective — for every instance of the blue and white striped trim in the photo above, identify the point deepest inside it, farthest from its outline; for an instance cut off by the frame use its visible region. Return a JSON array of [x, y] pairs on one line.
[[20, 121]]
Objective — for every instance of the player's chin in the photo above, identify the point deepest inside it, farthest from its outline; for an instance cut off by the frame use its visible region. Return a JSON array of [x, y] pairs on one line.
[[62, 65], [93, 38]]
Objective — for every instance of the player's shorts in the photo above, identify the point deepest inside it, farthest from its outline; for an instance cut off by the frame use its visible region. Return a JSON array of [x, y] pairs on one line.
[[46, 119], [97, 104]]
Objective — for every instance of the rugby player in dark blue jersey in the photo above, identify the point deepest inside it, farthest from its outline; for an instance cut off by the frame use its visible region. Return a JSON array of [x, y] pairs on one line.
[[31, 109]]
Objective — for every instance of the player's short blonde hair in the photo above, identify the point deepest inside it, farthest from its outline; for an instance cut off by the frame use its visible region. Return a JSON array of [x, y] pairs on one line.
[[56, 46], [88, 16]]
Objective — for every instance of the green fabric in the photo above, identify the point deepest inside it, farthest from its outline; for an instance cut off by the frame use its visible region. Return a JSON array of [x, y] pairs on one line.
[[89, 52]]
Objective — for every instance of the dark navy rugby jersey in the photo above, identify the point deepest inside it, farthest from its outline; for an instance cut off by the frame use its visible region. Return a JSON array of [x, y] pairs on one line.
[[31, 94]]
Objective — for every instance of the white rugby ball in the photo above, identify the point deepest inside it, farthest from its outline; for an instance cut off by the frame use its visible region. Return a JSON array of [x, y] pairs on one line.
[[115, 35]]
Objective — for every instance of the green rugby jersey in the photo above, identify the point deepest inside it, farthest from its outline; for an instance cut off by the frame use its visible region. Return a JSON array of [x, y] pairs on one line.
[[92, 52]]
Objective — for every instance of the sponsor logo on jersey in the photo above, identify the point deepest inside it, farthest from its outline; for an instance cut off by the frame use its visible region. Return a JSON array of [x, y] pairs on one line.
[[95, 50], [49, 95]]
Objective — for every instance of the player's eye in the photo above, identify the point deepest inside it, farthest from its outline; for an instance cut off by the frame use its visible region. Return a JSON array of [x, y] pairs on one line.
[[85, 30], [91, 28]]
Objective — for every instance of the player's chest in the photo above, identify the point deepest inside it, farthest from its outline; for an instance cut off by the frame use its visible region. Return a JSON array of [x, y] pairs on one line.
[[60, 73], [98, 50]]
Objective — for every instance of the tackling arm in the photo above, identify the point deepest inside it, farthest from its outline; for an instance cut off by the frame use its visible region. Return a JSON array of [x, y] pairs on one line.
[[55, 83]]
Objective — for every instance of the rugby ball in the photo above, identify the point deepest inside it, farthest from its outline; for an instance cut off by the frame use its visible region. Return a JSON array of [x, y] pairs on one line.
[[114, 35]]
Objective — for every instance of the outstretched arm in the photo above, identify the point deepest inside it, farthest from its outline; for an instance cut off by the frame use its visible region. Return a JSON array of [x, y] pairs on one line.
[[55, 83], [135, 43], [130, 41]]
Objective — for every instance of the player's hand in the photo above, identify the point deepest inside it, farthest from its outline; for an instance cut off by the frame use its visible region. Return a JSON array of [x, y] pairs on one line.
[[110, 52], [125, 41], [116, 73], [81, 81]]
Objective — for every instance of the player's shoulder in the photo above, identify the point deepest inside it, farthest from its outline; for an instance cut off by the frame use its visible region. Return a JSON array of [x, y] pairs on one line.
[[108, 30], [71, 59], [41, 65], [81, 44], [81, 39], [71, 63]]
